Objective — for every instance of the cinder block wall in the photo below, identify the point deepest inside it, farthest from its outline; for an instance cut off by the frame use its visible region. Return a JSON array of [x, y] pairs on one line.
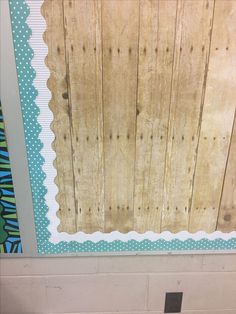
[[127, 284]]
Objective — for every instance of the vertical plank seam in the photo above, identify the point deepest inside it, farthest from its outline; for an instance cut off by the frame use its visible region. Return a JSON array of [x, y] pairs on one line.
[[151, 149], [103, 128], [152, 142], [226, 166], [136, 100], [70, 108], [99, 114], [201, 112], [167, 135]]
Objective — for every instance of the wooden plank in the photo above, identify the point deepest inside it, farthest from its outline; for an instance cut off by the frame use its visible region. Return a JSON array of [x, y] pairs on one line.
[[227, 214], [83, 46], [191, 54], [120, 50], [157, 35], [217, 120], [57, 83]]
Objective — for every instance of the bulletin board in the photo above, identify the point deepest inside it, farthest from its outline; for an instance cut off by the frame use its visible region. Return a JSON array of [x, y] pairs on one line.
[[129, 119]]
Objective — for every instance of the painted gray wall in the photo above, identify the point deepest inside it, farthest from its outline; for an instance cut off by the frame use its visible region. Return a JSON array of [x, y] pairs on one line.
[[112, 285]]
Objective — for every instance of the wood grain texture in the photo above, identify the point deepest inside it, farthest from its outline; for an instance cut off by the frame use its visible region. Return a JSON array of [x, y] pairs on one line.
[[191, 55], [217, 120], [120, 61], [227, 214], [143, 97], [57, 83], [83, 45], [156, 47]]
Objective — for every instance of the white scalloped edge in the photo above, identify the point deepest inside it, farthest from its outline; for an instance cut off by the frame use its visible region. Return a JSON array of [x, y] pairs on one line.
[[38, 26]]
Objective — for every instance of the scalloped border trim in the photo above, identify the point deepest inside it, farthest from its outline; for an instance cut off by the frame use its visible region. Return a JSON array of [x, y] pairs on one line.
[[37, 24]]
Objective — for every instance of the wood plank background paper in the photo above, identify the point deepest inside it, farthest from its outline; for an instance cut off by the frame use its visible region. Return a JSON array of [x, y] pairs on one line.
[[144, 98]]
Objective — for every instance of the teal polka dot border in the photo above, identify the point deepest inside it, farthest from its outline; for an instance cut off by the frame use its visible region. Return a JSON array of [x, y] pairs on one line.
[[26, 74]]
